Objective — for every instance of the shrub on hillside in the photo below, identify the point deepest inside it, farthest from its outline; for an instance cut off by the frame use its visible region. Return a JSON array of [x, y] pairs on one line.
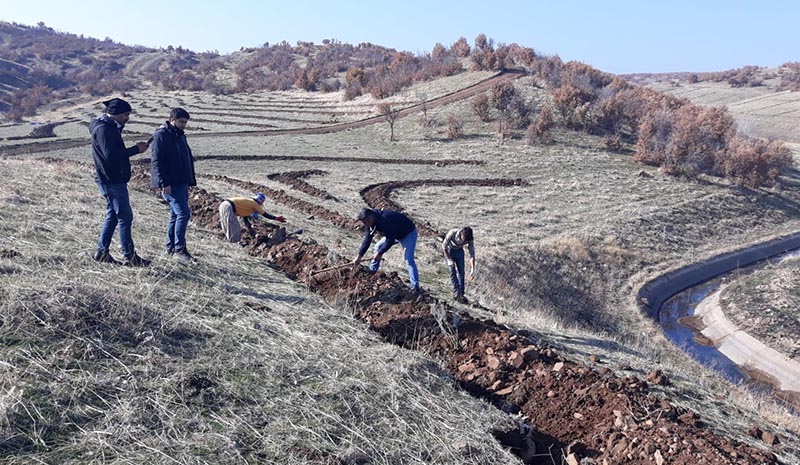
[[687, 141], [790, 76], [613, 142], [454, 130], [541, 129], [501, 95], [481, 107], [754, 162]]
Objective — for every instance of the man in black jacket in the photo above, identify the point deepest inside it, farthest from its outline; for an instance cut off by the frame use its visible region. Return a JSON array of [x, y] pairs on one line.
[[172, 171], [395, 228], [113, 171]]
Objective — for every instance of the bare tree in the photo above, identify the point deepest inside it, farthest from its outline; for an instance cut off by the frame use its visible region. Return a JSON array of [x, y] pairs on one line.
[[390, 114]]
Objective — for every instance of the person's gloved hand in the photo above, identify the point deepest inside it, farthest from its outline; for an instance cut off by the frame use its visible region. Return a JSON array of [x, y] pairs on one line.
[[280, 219], [450, 263]]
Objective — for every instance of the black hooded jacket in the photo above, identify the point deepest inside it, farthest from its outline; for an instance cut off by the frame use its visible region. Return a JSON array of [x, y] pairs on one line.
[[171, 162], [111, 158]]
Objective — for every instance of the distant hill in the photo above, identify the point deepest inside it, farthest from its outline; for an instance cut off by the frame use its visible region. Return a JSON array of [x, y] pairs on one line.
[[39, 64]]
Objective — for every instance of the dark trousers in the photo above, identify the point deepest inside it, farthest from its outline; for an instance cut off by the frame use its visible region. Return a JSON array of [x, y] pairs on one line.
[[457, 270]]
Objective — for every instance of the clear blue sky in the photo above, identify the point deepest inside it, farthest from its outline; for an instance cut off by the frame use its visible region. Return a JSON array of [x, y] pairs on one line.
[[616, 36]]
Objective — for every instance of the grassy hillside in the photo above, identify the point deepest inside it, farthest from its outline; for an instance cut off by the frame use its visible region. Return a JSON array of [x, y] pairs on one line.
[[225, 361], [239, 354]]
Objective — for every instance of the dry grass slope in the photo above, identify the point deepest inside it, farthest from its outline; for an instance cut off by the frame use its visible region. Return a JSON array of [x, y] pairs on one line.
[[223, 362]]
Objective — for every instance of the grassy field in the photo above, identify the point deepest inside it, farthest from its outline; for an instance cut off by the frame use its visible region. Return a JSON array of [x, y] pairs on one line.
[[561, 257]]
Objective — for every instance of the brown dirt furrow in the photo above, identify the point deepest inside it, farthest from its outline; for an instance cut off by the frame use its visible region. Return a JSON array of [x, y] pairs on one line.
[[280, 196], [379, 195], [295, 179], [574, 408], [323, 158], [44, 146], [42, 131]]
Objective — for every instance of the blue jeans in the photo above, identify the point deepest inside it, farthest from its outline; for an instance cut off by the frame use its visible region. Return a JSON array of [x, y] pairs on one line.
[[118, 212], [457, 270], [409, 244], [179, 214]]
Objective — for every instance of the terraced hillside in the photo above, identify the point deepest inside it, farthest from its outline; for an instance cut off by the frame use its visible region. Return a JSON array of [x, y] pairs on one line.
[[565, 232]]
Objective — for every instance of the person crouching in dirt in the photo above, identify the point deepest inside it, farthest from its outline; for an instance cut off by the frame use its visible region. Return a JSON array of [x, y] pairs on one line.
[[230, 209], [112, 173], [453, 248], [172, 171], [395, 227]]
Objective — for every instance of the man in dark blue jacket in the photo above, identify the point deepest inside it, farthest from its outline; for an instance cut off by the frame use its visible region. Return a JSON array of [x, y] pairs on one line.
[[172, 171], [395, 227], [112, 172]]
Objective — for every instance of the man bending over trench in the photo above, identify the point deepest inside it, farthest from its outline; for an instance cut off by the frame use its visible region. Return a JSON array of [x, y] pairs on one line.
[[231, 209], [395, 227]]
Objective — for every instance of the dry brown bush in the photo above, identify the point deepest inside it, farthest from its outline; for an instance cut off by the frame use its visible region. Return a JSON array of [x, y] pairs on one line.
[[541, 129], [754, 162], [481, 107], [454, 128], [613, 142]]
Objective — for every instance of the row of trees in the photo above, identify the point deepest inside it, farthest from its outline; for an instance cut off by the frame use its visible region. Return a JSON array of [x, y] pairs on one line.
[[679, 137], [674, 134]]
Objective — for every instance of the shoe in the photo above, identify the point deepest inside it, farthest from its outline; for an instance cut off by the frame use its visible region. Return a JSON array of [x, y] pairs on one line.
[[459, 297], [169, 251], [135, 261], [103, 256], [183, 255]]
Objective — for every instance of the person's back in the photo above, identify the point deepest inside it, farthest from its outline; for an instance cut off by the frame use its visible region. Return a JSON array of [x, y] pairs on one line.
[[111, 158], [394, 224]]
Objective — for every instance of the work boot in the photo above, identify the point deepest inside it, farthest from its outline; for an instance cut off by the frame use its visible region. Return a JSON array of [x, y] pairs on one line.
[[103, 256], [183, 255], [135, 260]]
